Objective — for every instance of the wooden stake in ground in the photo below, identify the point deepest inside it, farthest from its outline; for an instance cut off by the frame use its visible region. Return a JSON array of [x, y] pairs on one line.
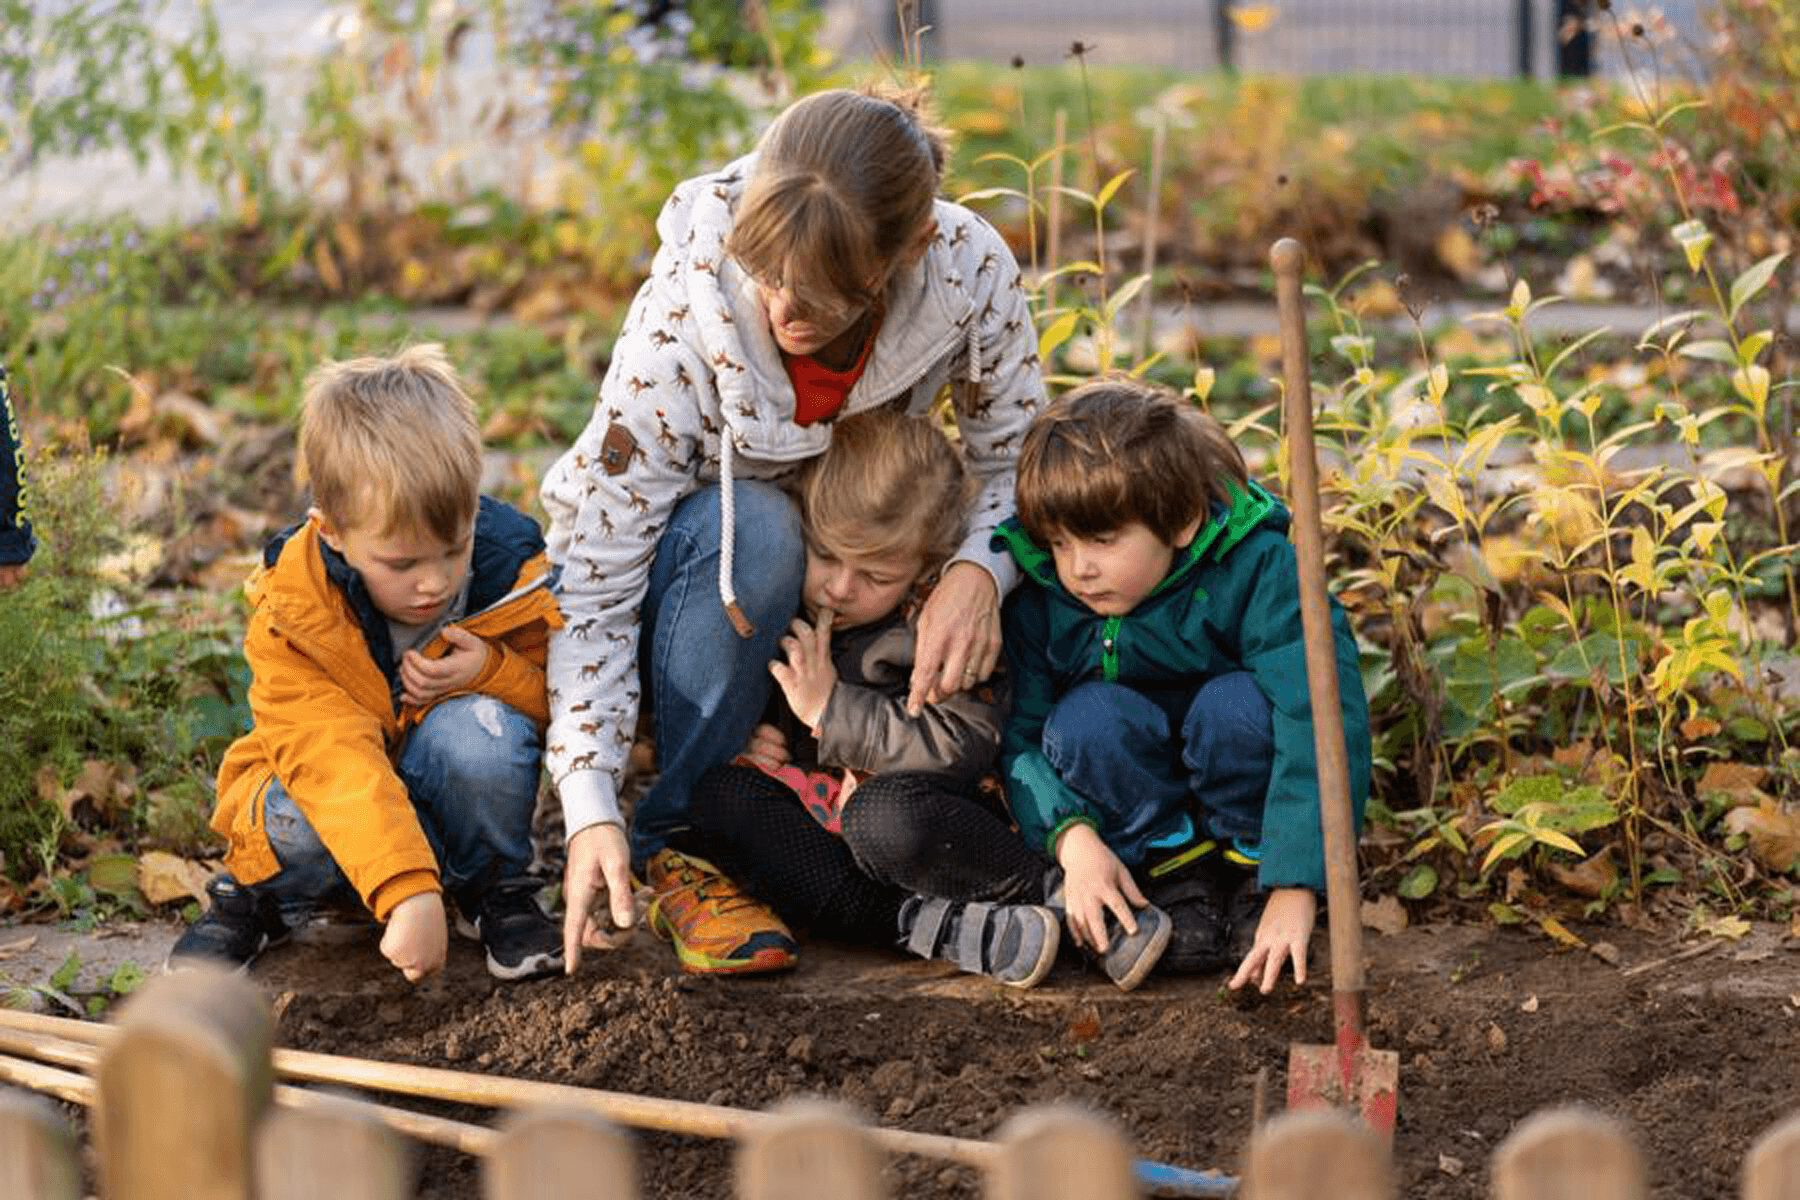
[[37, 1157], [1159, 136], [181, 1089]]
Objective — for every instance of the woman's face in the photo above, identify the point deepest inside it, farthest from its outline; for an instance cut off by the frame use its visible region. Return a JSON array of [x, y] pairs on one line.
[[800, 329]]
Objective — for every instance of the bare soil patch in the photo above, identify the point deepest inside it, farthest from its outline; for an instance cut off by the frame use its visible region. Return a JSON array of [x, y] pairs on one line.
[[1491, 1025]]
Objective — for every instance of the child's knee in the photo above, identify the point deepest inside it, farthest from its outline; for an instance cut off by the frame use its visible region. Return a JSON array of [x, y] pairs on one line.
[[479, 742], [1230, 709], [881, 823], [1100, 715]]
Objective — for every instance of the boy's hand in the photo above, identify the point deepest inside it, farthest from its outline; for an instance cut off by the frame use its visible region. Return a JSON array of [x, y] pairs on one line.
[[417, 938], [11, 576], [1094, 881], [599, 867], [768, 747], [1281, 936], [423, 680], [808, 675]]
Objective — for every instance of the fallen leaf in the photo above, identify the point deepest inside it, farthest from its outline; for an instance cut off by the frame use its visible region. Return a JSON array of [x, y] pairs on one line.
[[1086, 1025], [1728, 928], [165, 878], [196, 425], [1530, 1005], [18, 947], [1606, 952], [114, 874], [1496, 1039], [1449, 1165], [1561, 933], [101, 790], [1696, 728], [1592, 877], [1773, 832], [1385, 915], [1741, 781], [1459, 252]]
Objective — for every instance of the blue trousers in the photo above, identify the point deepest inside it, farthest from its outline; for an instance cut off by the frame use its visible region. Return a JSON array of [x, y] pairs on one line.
[[1152, 789], [471, 768], [707, 686]]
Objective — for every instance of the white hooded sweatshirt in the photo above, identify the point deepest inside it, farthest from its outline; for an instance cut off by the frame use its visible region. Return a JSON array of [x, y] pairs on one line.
[[696, 393]]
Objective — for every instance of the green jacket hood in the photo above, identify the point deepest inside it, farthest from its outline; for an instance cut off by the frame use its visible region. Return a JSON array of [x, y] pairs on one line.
[[1251, 507]]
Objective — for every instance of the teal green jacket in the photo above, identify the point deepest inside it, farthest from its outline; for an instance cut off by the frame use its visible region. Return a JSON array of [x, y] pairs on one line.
[[1230, 602]]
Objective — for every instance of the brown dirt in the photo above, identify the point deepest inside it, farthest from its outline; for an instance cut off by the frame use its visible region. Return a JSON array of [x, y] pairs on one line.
[[1491, 1025]]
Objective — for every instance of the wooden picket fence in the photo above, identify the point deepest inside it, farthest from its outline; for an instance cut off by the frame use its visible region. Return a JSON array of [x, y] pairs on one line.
[[184, 1108]]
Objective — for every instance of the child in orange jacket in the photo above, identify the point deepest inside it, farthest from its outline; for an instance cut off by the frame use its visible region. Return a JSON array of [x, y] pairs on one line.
[[396, 641]]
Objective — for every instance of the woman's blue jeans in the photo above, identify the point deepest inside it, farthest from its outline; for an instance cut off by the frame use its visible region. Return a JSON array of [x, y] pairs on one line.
[[706, 685], [471, 769], [1118, 748]]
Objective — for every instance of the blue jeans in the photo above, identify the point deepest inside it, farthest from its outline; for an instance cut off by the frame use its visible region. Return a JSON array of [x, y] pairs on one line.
[[707, 686], [471, 769], [1116, 747]]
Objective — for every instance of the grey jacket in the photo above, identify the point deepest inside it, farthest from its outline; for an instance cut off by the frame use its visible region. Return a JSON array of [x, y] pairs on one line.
[[864, 727]]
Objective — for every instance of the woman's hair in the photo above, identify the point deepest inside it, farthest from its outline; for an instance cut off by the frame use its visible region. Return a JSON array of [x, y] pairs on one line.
[[844, 183], [888, 484], [392, 443], [1117, 450]]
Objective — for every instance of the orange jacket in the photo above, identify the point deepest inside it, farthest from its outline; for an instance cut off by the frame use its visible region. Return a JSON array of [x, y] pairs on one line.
[[327, 719]]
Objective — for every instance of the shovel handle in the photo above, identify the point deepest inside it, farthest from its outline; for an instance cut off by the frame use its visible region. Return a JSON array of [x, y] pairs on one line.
[[1343, 896]]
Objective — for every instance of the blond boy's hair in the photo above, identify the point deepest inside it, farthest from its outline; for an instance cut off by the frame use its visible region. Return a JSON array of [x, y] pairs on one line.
[[888, 484], [1118, 450], [843, 185], [392, 444]]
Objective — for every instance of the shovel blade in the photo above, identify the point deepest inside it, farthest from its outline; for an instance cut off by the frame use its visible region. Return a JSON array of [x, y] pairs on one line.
[[1353, 1077]]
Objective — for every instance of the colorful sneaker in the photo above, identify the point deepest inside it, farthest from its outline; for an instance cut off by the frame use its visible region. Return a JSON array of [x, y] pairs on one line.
[[521, 940], [715, 927], [237, 926], [1129, 957], [1014, 944]]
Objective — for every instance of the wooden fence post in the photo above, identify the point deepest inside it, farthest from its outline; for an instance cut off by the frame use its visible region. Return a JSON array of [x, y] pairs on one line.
[[335, 1147], [1772, 1168], [37, 1157], [546, 1153], [181, 1089], [1568, 1154], [813, 1148], [1318, 1154], [1061, 1152]]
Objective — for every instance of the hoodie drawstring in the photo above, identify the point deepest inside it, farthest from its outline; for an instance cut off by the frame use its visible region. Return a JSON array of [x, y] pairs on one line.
[[727, 541]]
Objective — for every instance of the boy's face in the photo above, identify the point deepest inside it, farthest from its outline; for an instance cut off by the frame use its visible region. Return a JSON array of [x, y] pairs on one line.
[[1112, 572], [857, 588], [412, 575]]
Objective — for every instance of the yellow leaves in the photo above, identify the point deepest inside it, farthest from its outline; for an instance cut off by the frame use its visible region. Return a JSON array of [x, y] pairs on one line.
[[1742, 782], [101, 791], [1752, 383], [1726, 928], [1561, 933], [1595, 877], [1459, 253], [1252, 18], [1204, 378]]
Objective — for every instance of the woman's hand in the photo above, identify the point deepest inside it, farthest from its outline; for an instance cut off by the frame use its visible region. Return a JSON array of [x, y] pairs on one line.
[[1094, 883], [959, 636], [1281, 937], [424, 680], [808, 675]]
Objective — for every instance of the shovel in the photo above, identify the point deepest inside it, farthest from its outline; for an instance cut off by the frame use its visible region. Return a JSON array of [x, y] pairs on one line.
[[1347, 1074]]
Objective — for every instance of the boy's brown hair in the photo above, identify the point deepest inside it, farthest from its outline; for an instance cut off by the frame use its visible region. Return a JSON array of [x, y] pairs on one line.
[[392, 444], [888, 484], [843, 186], [1118, 450]]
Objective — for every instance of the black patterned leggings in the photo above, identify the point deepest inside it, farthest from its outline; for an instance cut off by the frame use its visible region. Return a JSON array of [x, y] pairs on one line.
[[904, 832]]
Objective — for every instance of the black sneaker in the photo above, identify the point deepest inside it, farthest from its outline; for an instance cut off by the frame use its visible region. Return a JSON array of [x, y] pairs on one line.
[[521, 940], [1197, 888], [238, 926], [1014, 944]]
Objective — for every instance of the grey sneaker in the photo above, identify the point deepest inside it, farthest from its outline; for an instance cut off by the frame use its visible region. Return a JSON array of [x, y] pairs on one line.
[[1014, 944], [1129, 957]]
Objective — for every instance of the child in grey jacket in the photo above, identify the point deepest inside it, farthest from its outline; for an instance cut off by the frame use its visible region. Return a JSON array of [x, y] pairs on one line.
[[844, 814]]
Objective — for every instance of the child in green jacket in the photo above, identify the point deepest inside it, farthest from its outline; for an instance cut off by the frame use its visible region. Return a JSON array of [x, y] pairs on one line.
[[1160, 746]]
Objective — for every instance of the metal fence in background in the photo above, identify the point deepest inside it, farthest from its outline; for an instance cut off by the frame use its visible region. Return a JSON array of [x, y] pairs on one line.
[[1299, 37]]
